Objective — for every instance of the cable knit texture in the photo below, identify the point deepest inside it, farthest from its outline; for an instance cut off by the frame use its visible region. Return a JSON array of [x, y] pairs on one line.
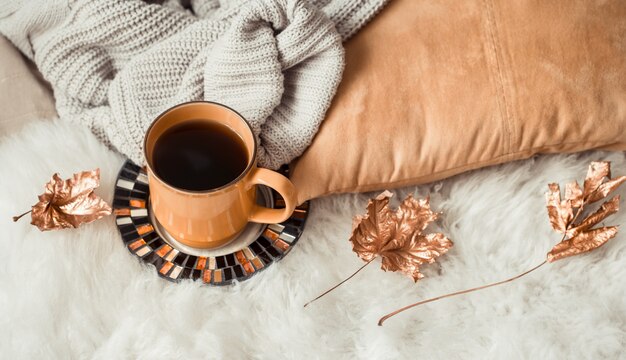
[[114, 65]]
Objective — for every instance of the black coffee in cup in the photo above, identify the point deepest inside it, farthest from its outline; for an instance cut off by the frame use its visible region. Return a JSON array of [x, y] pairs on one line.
[[199, 155]]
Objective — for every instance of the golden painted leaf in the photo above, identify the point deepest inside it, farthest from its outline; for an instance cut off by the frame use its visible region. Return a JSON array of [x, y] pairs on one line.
[[607, 209], [559, 212], [582, 243], [69, 203], [580, 236], [396, 236]]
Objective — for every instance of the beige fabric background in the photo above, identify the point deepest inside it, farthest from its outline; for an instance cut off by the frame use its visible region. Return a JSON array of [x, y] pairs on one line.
[[24, 95], [433, 88]]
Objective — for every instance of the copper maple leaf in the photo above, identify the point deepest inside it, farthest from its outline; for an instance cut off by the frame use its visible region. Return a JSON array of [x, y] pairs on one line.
[[396, 236], [580, 236], [69, 203]]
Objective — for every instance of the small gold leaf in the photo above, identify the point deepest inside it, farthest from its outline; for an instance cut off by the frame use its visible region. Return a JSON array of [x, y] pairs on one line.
[[582, 243], [580, 237], [396, 236], [69, 203]]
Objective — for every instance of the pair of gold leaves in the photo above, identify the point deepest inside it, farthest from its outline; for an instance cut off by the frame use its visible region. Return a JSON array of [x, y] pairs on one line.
[[69, 203], [397, 236], [580, 236]]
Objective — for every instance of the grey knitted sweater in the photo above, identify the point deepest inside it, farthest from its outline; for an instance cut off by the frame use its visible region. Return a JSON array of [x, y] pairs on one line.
[[116, 64]]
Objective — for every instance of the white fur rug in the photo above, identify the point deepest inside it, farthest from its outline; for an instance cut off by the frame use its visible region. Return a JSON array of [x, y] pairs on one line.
[[80, 294]]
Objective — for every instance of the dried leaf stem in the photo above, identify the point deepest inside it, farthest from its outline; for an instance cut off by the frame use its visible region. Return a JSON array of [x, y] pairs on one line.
[[380, 322], [16, 218], [336, 286]]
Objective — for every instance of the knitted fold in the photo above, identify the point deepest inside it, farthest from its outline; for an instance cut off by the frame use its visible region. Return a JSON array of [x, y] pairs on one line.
[[290, 59], [114, 65]]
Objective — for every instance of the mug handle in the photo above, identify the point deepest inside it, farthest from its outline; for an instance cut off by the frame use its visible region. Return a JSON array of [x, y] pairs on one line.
[[283, 186]]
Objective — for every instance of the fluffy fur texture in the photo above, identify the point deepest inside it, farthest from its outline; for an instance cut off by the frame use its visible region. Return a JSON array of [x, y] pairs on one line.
[[80, 294]]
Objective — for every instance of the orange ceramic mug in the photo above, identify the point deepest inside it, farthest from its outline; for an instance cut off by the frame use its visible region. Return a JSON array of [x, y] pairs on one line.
[[211, 218]]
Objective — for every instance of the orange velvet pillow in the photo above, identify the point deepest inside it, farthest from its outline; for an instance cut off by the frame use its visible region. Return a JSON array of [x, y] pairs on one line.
[[433, 88]]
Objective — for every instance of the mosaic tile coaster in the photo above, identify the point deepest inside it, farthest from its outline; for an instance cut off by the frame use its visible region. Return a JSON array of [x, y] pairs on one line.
[[258, 247]]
